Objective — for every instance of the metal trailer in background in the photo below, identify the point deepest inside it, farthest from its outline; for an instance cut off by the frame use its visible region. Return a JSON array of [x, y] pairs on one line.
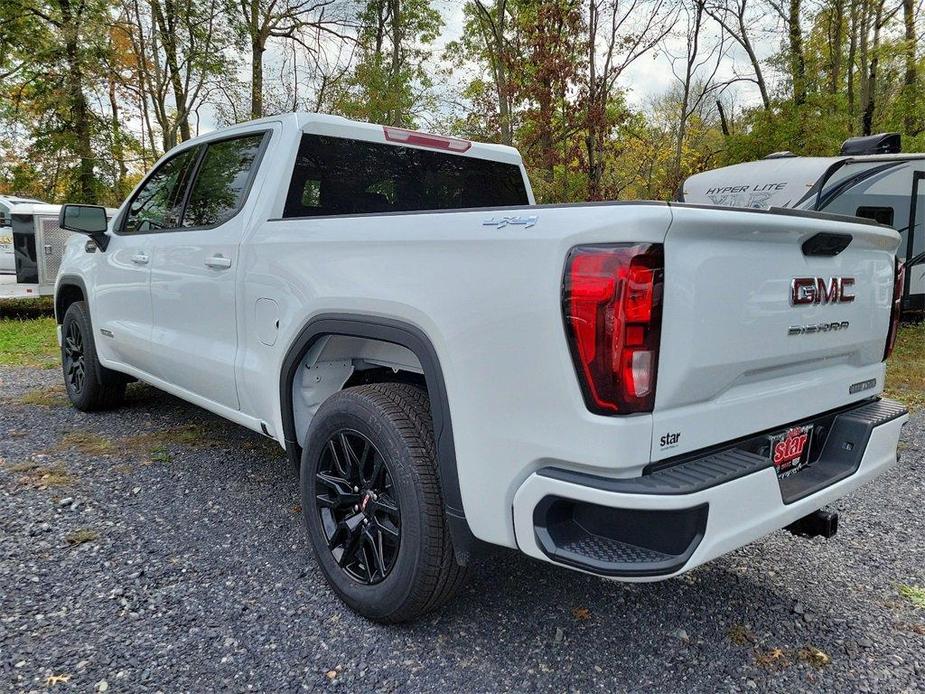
[[869, 179], [38, 246]]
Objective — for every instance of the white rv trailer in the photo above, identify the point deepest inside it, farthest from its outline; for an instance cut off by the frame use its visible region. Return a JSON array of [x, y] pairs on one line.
[[7, 254], [868, 179], [31, 246]]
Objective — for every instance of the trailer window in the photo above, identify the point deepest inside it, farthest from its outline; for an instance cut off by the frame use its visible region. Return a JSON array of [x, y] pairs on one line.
[[881, 215], [338, 176]]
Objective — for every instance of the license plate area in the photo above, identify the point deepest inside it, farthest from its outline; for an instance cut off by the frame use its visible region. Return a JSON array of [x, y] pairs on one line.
[[789, 449]]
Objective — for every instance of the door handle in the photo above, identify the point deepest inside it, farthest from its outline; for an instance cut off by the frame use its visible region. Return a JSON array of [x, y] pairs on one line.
[[140, 259], [219, 262]]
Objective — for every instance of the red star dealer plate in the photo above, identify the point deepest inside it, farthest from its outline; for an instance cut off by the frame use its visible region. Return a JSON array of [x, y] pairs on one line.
[[790, 449]]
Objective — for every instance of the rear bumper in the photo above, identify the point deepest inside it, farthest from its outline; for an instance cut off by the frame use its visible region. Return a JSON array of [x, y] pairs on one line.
[[667, 522]]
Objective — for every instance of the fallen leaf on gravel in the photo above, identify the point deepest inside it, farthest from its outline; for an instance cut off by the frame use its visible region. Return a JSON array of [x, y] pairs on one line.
[[52, 680], [813, 656], [772, 658], [296, 508], [581, 613], [740, 635], [39, 477], [78, 537], [331, 674]]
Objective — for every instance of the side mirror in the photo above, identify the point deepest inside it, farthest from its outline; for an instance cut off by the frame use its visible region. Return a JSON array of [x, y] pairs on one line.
[[85, 219]]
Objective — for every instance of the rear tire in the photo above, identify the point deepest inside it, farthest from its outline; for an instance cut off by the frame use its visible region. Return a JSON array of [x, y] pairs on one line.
[[90, 386], [372, 503]]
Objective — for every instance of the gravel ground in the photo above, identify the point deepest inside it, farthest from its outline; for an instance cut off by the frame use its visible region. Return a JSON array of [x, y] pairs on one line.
[[160, 548]]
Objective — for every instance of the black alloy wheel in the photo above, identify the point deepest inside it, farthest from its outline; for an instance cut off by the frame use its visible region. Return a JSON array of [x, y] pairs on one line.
[[358, 507], [75, 366]]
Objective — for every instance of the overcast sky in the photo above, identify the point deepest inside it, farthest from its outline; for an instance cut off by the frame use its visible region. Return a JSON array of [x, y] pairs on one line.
[[647, 78]]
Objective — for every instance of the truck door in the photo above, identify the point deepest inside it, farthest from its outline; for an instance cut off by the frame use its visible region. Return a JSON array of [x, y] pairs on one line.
[[914, 293], [193, 271], [121, 302]]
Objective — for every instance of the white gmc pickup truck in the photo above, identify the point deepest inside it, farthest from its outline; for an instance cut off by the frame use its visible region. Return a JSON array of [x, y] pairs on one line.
[[626, 389]]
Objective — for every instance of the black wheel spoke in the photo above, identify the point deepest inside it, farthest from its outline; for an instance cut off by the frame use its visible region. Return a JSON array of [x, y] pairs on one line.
[[361, 519], [338, 465], [389, 532], [374, 540], [351, 547], [387, 506]]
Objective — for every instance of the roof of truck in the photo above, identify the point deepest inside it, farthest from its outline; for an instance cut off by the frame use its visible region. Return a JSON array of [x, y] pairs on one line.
[[338, 126]]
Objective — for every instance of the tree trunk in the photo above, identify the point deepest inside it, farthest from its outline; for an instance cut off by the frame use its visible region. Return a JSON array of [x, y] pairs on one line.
[[724, 124], [118, 151], [797, 59], [910, 77], [395, 70], [837, 36], [863, 59], [495, 43], [746, 43], [166, 21], [257, 49], [867, 123], [83, 189], [852, 56]]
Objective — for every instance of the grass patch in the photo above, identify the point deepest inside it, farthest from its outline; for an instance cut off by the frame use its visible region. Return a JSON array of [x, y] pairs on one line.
[[188, 435], [29, 343], [52, 396], [905, 372], [79, 537], [914, 594], [86, 442], [35, 475], [161, 454], [28, 466]]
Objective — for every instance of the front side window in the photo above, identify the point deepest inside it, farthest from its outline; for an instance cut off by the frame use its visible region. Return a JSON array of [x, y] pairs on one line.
[[338, 176], [221, 181], [159, 202]]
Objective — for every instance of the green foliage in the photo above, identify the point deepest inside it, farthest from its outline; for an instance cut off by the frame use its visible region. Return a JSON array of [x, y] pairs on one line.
[[391, 82]]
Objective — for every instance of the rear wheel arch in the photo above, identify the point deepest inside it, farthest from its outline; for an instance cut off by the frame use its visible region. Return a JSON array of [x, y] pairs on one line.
[[416, 341]]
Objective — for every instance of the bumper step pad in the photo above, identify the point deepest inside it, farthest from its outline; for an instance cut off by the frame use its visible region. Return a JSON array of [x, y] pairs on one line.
[[633, 542]]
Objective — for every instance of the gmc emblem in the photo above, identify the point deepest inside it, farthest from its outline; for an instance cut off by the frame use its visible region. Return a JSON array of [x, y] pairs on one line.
[[815, 290]]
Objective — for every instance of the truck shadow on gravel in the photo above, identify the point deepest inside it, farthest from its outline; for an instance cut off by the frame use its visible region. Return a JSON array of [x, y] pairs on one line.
[[173, 551]]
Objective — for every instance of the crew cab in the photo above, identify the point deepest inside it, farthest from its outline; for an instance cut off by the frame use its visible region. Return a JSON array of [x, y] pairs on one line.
[[629, 389]]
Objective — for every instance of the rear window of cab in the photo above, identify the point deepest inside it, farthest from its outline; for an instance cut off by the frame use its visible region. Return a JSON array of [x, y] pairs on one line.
[[339, 176]]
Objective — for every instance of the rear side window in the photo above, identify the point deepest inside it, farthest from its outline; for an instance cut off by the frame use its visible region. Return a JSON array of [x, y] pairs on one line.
[[222, 181], [158, 204], [337, 176]]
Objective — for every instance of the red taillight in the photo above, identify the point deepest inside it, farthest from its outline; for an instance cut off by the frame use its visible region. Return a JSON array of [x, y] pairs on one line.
[[899, 282], [612, 300], [412, 137]]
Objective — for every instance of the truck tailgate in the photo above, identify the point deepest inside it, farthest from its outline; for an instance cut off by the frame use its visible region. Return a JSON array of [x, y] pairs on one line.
[[737, 356]]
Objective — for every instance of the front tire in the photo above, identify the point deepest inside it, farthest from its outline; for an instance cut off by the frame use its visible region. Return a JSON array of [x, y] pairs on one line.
[[372, 503], [90, 386]]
